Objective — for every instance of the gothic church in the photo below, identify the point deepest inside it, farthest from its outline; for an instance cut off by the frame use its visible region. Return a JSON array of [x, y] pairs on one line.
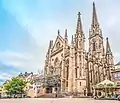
[[80, 69]]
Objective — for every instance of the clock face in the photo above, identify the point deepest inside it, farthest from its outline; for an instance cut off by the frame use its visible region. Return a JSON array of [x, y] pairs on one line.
[[117, 75]]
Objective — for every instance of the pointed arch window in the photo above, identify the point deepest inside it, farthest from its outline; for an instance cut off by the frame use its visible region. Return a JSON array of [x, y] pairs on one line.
[[76, 72], [56, 61], [67, 68], [56, 66], [67, 73], [94, 46], [58, 45], [80, 73], [80, 57]]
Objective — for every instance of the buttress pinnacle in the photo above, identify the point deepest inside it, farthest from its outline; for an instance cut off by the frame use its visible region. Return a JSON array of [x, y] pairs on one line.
[[66, 34], [66, 37], [108, 49]]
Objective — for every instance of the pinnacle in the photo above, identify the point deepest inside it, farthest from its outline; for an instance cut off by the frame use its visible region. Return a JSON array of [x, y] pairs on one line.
[[58, 32], [79, 24], [66, 33], [108, 49]]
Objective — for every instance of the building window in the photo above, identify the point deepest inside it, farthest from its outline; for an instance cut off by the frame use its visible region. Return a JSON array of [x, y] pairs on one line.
[[80, 83], [99, 45], [67, 84], [80, 57], [94, 46], [67, 72], [76, 72], [80, 73]]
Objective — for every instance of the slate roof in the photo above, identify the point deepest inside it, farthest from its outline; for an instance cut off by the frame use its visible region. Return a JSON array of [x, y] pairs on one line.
[[118, 63]]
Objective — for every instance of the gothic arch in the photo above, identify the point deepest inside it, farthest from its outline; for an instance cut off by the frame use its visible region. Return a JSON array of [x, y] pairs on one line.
[[67, 68], [101, 72], [60, 67], [90, 71], [67, 62], [58, 45], [56, 66], [96, 73], [56, 61], [94, 46]]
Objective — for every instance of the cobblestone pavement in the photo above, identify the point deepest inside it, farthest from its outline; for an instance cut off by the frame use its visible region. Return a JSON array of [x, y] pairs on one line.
[[58, 100]]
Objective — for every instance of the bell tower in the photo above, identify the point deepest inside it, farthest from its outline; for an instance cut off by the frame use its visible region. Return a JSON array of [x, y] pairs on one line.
[[96, 46]]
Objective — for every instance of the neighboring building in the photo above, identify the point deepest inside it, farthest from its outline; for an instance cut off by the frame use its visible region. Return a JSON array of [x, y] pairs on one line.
[[3, 92], [116, 73], [25, 75], [36, 85], [80, 69]]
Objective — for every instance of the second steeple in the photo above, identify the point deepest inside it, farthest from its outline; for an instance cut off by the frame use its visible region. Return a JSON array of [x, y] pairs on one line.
[[94, 17]]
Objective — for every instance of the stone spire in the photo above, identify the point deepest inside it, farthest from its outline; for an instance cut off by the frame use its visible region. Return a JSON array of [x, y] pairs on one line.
[[108, 49], [79, 29], [94, 17]]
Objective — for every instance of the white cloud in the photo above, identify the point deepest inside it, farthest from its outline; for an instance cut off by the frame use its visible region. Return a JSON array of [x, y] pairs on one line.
[[24, 61], [5, 76], [41, 32]]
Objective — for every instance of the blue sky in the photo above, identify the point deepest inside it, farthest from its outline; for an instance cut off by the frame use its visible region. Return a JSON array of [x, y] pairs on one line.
[[26, 26]]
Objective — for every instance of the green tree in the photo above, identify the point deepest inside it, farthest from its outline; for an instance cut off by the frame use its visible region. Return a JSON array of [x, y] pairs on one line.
[[15, 86]]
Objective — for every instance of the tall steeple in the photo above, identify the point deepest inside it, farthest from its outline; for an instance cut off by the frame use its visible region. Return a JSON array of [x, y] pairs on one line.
[[94, 17], [79, 36], [95, 35], [79, 29], [108, 49]]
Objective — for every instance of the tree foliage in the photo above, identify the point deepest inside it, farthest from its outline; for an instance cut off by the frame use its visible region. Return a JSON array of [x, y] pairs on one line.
[[15, 86]]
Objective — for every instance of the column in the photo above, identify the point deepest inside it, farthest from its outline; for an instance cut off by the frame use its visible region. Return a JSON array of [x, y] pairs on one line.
[[62, 75], [70, 79]]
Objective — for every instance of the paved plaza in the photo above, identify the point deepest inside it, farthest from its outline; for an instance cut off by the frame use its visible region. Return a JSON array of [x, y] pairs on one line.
[[58, 100]]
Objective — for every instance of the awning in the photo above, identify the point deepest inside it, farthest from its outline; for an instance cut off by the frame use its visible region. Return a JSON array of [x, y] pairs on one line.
[[105, 83]]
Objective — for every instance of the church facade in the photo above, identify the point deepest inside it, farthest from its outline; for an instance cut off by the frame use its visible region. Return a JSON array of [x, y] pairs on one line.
[[80, 69]]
